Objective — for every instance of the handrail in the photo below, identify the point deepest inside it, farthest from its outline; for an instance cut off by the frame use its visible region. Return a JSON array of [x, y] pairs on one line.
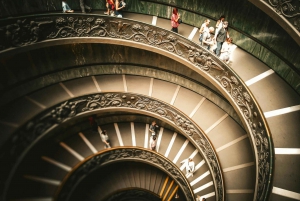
[[42, 30], [116, 154], [84, 105]]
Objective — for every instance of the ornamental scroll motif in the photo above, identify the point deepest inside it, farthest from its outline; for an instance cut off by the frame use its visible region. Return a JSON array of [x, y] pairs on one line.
[[76, 106], [114, 155], [243, 100], [289, 9], [74, 26]]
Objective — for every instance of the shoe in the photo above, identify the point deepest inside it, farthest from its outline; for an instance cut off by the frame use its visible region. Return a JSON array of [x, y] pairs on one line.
[[105, 13]]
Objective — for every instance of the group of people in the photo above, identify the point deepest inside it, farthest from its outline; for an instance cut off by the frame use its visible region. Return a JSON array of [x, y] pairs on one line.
[[188, 163], [114, 7], [216, 39]]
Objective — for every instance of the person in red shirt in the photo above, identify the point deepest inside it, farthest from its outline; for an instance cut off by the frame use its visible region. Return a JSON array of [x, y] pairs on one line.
[[110, 4], [175, 20]]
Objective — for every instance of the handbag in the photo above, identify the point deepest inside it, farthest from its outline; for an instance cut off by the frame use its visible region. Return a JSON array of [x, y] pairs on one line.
[[179, 21]]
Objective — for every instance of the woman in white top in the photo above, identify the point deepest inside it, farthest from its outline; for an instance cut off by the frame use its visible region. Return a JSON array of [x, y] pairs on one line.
[[226, 50], [104, 138], [203, 28], [189, 166]]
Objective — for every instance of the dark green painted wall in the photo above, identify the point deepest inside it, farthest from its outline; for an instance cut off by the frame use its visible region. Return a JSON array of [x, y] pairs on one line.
[[251, 29]]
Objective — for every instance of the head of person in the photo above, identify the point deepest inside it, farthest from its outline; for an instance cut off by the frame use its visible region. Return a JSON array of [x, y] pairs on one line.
[[104, 132], [190, 159], [153, 122], [225, 24], [211, 29], [203, 199], [222, 18], [229, 40], [207, 21], [175, 11], [154, 137]]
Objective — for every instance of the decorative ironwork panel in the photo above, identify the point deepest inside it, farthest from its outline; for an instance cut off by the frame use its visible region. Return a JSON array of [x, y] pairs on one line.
[[74, 107], [123, 154], [34, 30], [289, 9]]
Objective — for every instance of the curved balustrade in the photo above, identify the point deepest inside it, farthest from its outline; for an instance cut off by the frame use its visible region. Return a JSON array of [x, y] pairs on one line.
[[39, 126], [285, 13], [113, 155], [37, 31]]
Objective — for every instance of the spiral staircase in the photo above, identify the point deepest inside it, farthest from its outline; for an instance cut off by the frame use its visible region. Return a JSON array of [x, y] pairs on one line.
[[115, 69]]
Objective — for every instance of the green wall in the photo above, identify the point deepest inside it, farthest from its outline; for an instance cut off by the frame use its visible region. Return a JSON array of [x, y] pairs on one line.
[[250, 28]]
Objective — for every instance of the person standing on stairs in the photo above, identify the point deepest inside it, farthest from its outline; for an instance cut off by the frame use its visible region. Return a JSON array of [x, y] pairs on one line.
[[153, 141], [189, 166], [104, 138], [175, 20], [153, 127]]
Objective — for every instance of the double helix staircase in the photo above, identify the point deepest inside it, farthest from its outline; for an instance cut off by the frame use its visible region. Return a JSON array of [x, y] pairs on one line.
[[39, 176]]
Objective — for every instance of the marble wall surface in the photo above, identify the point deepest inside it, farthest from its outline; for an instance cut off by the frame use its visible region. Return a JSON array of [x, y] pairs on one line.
[[250, 28]]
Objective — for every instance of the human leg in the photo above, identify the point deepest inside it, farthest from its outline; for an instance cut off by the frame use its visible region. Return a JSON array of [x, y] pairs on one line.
[[219, 47], [175, 29], [66, 8], [88, 7], [83, 6]]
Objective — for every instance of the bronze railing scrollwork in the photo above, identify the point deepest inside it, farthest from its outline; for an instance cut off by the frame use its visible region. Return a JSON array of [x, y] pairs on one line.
[[33, 31], [109, 156], [60, 113]]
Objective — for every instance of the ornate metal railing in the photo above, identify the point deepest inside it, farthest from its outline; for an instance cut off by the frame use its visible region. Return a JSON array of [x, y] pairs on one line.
[[37, 31], [38, 127], [285, 12], [109, 156]]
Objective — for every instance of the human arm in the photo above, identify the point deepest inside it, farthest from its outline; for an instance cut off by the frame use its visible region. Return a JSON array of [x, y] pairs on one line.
[[175, 18], [218, 22], [151, 129], [216, 33], [206, 39], [118, 6], [183, 161], [201, 29], [192, 166]]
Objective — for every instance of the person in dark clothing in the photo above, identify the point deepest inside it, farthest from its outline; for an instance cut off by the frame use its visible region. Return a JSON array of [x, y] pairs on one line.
[[153, 128], [221, 36]]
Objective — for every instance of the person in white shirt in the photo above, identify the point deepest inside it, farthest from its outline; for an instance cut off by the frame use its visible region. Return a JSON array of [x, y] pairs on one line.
[[104, 138], [226, 50], [203, 28], [189, 166], [220, 21], [208, 41]]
